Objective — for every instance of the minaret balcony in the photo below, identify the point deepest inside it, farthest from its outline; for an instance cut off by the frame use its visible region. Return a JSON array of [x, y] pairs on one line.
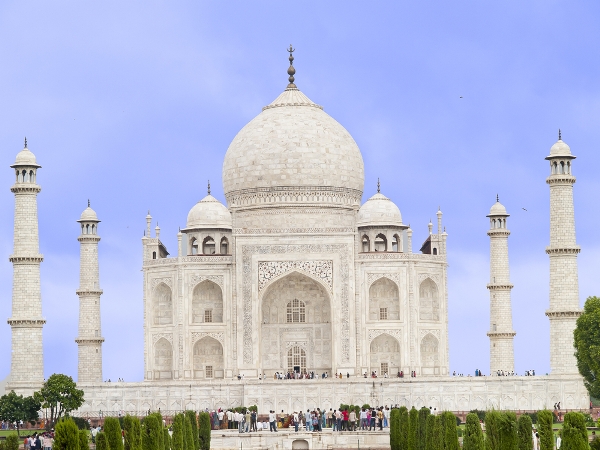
[[89, 292], [499, 286], [26, 323], [21, 188], [561, 179], [26, 259], [563, 250], [554, 314], [501, 334]]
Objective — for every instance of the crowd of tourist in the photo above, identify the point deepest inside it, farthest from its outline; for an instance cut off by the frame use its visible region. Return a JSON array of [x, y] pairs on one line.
[[43, 441]]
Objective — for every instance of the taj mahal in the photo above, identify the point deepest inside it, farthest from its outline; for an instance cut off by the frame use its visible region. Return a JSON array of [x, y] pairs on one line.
[[296, 274]]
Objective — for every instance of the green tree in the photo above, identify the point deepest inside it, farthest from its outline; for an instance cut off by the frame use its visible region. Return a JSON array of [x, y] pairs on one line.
[[413, 419], [112, 431], [429, 445], [492, 430], [152, 436], [158, 432], [133, 433], [587, 345], [574, 432], [422, 428], [395, 429], [101, 443], [178, 430], [404, 428], [60, 394], [194, 422], [437, 438], [508, 431], [166, 438], [473, 438], [204, 431], [66, 435], [14, 408], [524, 427], [84, 440], [188, 439], [12, 442], [545, 430], [450, 432]]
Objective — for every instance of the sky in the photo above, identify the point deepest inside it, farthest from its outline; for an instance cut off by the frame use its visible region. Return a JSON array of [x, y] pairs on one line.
[[133, 105]]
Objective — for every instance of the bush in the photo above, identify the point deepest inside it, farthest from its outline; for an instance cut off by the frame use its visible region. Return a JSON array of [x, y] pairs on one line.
[[204, 431], [152, 436], [84, 440], [545, 430], [508, 431], [133, 433], [177, 441], [12, 442], [492, 430], [101, 443], [422, 428], [112, 430], [429, 437], [595, 444], [404, 428], [437, 438], [66, 435], [188, 439], [413, 420], [81, 423], [450, 434], [473, 439], [480, 414], [395, 429], [574, 432], [166, 438], [194, 422], [524, 426]]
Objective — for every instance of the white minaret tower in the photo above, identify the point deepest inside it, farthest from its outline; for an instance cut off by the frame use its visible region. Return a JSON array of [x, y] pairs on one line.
[[27, 362], [501, 331], [90, 337], [564, 286]]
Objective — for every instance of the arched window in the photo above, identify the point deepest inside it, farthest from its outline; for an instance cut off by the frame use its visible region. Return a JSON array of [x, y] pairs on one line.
[[554, 168], [194, 246], [429, 303], [208, 358], [365, 244], [429, 351], [93, 229], [434, 251], [384, 300], [296, 360], [162, 305], [153, 255], [224, 246], [296, 311], [562, 167], [396, 244], [569, 167], [163, 359], [87, 229], [208, 246], [207, 303], [380, 243]]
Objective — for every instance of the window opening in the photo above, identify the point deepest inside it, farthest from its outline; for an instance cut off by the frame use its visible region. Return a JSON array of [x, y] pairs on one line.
[[296, 311]]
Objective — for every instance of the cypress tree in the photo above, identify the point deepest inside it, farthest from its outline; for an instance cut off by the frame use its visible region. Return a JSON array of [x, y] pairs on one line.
[[450, 433], [152, 437], [158, 431], [177, 441], [166, 438], [194, 423], [66, 435], [574, 432], [429, 439], [545, 430], [404, 428], [508, 431], [101, 443], [112, 430], [395, 429], [437, 441], [204, 431], [473, 437], [492, 430], [413, 419], [84, 440], [188, 439], [133, 433], [524, 427], [422, 428]]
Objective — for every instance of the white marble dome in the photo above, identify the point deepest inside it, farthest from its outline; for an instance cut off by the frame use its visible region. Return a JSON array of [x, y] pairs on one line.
[[25, 158], [379, 211], [88, 215], [560, 148], [498, 209], [293, 143], [209, 213]]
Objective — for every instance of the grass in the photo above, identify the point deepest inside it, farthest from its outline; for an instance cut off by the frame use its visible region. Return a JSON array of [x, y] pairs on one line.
[[4, 433]]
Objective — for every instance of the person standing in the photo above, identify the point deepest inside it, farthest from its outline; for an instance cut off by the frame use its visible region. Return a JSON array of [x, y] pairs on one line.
[[296, 419], [307, 420], [363, 419], [352, 419], [380, 418], [247, 420]]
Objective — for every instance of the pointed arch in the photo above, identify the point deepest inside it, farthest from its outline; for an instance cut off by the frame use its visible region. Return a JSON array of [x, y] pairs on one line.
[[162, 305], [429, 300], [365, 244], [384, 300], [430, 356], [208, 358], [207, 303], [163, 359], [384, 354], [381, 243], [208, 246]]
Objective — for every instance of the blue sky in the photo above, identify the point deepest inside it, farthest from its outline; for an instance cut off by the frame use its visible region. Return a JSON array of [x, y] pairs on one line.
[[133, 105]]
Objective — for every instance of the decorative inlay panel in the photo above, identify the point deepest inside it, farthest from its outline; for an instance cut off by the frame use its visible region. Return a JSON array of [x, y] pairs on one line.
[[434, 276], [218, 335], [271, 270], [423, 333], [261, 231], [157, 336], [197, 279], [168, 281], [373, 277], [394, 333]]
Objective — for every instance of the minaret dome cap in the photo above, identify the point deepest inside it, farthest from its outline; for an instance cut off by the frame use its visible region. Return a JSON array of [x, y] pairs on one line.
[[560, 150], [88, 215], [25, 158], [498, 209]]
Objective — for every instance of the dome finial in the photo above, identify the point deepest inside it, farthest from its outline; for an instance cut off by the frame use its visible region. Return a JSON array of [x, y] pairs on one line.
[[378, 186], [497, 198], [88, 202], [208, 187], [25, 142], [291, 71], [559, 136]]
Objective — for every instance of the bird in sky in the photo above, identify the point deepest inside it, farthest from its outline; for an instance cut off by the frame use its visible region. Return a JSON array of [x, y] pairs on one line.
[[523, 209], [461, 96]]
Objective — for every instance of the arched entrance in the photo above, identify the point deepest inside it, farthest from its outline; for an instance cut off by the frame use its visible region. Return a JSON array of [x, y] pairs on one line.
[[385, 355], [208, 358], [296, 325]]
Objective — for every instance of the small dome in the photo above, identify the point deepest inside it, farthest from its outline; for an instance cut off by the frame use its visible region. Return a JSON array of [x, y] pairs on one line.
[[379, 210], [560, 149], [498, 209], [25, 158], [209, 213], [88, 215]]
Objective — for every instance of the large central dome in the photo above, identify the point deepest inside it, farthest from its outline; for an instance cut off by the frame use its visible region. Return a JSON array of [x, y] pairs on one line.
[[293, 152]]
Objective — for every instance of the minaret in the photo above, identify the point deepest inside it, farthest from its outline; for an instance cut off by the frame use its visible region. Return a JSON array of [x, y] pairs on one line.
[[501, 331], [564, 286], [27, 362], [90, 337]]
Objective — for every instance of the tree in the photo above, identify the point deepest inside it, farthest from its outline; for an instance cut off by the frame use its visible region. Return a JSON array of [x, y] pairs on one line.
[[450, 433], [473, 439], [524, 427], [101, 443], [545, 430], [194, 422], [84, 440], [429, 445], [177, 441], [12, 442], [112, 430], [15, 408], [188, 439], [166, 439], [152, 436], [404, 428], [422, 428], [437, 440], [413, 419], [66, 435], [204, 431], [133, 433], [587, 345], [60, 394], [395, 429], [574, 432], [492, 430], [508, 431]]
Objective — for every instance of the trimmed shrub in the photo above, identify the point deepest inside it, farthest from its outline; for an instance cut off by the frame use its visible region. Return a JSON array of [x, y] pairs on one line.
[[492, 430], [194, 423], [413, 419], [395, 429], [81, 423], [166, 439], [480, 414], [204, 431], [429, 436], [574, 432], [84, 440], [188, 439], [545, 430], [524, 426], [152, 438], [11, 442], [177, 441], [133, 433], [450, 434], [66, 435], [473, 438], [112, 430], [422, 428], [404, 428], [101, 442], [437, 441]]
